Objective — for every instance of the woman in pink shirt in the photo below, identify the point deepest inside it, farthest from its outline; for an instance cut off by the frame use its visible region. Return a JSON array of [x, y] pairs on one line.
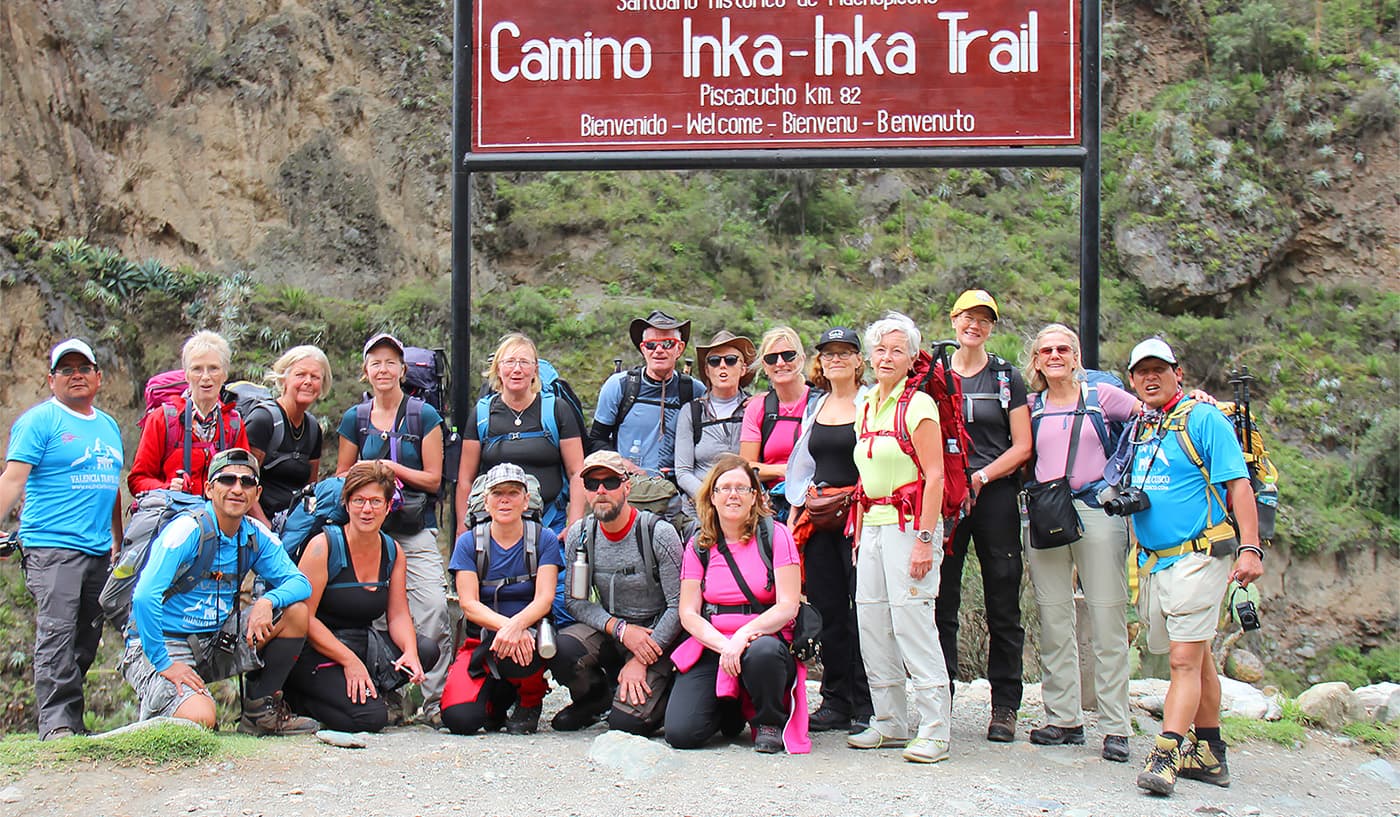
[[1059, 395], [773, 420]]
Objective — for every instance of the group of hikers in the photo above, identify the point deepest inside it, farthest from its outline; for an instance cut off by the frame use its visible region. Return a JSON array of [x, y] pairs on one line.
[[673, 562]]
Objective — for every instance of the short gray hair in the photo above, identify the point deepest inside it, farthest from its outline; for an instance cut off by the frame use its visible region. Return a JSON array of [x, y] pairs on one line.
[[206, 341], [295, 355], [894, 322]]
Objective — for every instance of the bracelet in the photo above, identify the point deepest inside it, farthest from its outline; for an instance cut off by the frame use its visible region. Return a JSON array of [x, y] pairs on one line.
[[1255, 549], [982, 472], [619, 629]]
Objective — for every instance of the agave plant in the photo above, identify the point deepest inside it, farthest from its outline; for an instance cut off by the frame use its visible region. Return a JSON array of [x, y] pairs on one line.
[[73, 252]]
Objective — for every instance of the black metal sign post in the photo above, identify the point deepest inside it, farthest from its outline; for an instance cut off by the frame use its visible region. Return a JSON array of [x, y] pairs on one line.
[[1084, 157]]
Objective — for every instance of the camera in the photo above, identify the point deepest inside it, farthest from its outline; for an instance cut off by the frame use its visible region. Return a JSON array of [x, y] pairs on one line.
[[1124, 502], [1247, 615], [226, 641], [9, 544]]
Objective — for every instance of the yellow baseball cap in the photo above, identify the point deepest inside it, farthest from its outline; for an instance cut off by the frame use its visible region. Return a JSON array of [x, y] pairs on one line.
[[974, 297]]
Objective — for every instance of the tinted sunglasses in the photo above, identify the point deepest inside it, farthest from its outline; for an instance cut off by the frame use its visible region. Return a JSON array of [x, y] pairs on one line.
[[230, 480], [728, 360], [1062, 351], [772, 357], [665, 343], [611, 483]]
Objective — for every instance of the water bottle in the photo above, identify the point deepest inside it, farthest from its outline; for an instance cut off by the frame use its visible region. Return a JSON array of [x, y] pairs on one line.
[[579, 577], [635, 452], [544, 639]]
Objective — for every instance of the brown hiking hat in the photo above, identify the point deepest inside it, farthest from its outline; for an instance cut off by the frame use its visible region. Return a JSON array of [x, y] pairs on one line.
[[726, 338], [658, 320]]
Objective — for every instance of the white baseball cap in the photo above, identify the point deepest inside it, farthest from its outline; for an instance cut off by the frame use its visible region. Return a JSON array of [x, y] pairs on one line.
[[1152, 347], [67, 346]]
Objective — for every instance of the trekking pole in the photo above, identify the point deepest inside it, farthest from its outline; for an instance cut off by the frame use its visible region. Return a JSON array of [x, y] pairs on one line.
[[1247, 443], [617, 365], [1237, 388]]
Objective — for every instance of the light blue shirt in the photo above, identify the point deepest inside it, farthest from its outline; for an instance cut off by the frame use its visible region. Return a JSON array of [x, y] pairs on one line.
[[1182, 507], [74, 479], [640, 437]]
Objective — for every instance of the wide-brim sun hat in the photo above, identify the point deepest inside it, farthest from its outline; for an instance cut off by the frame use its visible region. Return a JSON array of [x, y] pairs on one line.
[[747, 351], [657, 320]]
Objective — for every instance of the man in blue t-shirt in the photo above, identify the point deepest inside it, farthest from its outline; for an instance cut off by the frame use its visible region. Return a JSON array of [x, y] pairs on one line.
[[1188, 552], [636, 414], [65, 460]]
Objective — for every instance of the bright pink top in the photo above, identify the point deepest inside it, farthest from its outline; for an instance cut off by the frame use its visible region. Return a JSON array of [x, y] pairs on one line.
[[720, 587], [785, 434]]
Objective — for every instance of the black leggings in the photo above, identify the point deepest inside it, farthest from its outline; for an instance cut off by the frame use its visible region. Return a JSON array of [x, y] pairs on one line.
[[694, 714], [995, 528], [319, 691]]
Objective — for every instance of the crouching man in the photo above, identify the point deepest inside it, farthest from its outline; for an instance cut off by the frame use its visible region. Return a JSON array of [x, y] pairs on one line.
[[181, 636], [1189, 474], [616, 654]]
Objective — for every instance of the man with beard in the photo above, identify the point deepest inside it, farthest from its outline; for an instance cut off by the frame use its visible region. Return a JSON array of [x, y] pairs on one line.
[[615, 654]]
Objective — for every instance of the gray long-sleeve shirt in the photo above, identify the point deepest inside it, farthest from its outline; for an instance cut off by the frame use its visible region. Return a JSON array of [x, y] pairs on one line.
[[636, 597]]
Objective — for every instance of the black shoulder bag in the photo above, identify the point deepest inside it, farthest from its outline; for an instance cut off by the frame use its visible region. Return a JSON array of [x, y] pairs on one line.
[[1050, 504]]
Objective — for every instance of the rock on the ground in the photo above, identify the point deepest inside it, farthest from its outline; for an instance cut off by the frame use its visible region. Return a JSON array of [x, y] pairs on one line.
[[1331, 705], [150, 723], [10, 794], [1381, 701], [1244, 701], [978, 690], [1382, 770], [344, 740], [1149, 695], [635, 757], [1243, 665]]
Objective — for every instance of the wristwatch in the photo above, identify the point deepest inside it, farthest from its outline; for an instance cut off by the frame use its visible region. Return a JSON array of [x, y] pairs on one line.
[[924, 536]]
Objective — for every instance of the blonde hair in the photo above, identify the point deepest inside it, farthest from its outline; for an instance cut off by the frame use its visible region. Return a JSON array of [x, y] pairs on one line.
[[710, 532], [295, 355], [1035, 380], [777, 333], [206, 341], [512, 341]]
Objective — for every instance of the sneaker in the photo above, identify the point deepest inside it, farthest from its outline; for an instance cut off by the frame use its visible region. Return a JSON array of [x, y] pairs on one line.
[[1002, 727], [926, 750], [826, 719], [59, 733], [769, 740], [270, 715], [523, 720], [860, 722], [1052, 735], [1159, 773], [1203, 762], [578, 716], [1115, 748], [871, 738]]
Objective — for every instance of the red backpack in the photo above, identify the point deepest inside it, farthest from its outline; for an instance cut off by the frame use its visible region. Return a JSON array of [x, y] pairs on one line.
[[932, 374]]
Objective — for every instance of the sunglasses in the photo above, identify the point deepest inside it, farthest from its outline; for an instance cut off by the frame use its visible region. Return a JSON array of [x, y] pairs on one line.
[[611, 483], [787, 357], [1062, 351], [69, 371], [728, 360], [666, 343], [230, 480]]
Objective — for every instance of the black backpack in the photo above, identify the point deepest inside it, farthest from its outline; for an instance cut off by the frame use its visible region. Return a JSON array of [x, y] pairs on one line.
[[698, 424], [253, 397], [632, 390], [646, 544]]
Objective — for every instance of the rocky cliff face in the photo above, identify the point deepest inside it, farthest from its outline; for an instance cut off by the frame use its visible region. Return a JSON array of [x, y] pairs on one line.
[[303, 141]]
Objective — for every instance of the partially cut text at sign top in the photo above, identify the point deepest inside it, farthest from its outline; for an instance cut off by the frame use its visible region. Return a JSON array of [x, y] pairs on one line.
[[617, 75]]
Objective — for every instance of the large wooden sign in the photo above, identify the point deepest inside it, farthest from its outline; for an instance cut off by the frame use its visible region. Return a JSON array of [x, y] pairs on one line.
[[619, 75]]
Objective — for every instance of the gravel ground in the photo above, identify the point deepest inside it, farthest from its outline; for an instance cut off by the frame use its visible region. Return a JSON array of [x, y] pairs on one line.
[[417, 771]]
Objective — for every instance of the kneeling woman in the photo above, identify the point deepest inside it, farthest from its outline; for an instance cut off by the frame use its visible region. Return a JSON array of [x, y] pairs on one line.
[[357, 576], [506, 592], [736, 663]]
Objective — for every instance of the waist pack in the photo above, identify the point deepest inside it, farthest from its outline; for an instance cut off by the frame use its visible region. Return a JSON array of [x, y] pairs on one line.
[[829, 507]]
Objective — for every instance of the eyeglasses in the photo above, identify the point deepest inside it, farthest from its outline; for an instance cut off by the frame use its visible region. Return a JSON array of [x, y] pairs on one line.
[[787, 357], [966, 319], [1062, 351], [665, 343], [69, 371], [360, 502], [230, 480], [516, 363], [838, 354], [727, 360], [611, 483], [738, 490]]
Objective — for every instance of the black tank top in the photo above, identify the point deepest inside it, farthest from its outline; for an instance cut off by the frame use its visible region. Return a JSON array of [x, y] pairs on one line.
[[349, 607], [833, 450]]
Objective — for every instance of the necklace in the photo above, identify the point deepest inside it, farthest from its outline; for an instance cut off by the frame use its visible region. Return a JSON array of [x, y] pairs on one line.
[[518, 414]]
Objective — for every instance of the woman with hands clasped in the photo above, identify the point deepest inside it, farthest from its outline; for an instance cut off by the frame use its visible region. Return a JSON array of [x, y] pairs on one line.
[[357, 575], [736, 665], [505, 591]]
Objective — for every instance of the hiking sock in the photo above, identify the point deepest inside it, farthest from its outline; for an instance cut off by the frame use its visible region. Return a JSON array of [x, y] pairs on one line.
[[1211, 735], [279, 656], [1174, 736]]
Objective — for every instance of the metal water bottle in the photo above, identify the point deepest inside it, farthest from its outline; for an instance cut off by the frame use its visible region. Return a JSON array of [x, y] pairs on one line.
[[544, 639], [580, 577]]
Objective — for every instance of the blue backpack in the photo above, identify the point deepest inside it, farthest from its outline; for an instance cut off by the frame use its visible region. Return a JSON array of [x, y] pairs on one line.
[[1109, 431], [552, 389], [315, 508]]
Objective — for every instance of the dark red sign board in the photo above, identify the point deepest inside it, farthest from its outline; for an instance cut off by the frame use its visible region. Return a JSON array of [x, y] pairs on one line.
[[608, 75]]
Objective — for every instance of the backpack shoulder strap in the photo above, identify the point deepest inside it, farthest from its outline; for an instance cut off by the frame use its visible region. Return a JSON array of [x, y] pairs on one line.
[[1003, 371], [481, 537], [696, 413], [483, 417], [687, 389], [412, 410], [646, 542], [765, 546], [335, 551], [362, 422], [1090, 393], [770, 419], [204, 555], [631, 390], [548, 421], [532, 542]]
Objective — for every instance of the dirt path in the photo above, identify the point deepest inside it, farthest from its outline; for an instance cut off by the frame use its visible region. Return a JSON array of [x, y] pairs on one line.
[[414, 771]]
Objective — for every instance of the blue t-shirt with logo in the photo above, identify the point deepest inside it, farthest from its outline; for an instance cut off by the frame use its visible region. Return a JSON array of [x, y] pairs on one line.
[[74, 479], [504, 563], [1182, 507]]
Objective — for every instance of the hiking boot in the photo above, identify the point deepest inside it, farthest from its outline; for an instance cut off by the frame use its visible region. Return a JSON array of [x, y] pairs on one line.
[[769, 740], [59, 733], [523, 720], [1203, 762], [270, 715], [578, 716], [1115, 748], [1159, 772], [926, 750], [826, 719], [872, 739], [860, 722], [1052, 735], [1002, 727]]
